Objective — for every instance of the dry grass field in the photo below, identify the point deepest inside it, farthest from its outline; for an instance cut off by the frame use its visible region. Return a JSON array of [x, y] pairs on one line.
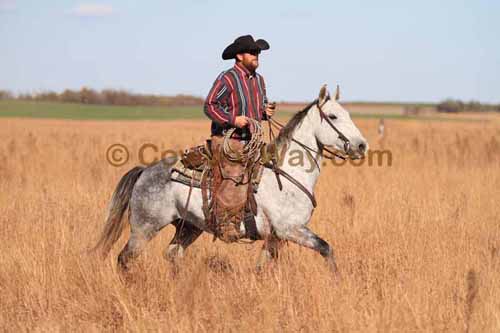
[[418, 243]]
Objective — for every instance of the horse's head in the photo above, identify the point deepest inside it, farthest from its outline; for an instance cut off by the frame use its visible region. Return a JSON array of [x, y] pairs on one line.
[[336, 128]]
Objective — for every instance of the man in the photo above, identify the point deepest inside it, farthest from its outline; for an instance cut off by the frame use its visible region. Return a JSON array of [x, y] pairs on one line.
[[239, 92], [236, 95]]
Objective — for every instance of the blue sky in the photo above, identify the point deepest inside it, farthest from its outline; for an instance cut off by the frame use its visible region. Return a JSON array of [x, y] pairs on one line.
[[376, 50]]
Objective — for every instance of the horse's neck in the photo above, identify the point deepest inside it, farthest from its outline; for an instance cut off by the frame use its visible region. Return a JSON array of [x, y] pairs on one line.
[[298, 162]]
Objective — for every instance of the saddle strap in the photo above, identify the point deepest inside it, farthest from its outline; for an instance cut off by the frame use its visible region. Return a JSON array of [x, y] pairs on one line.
[[293, 181], [250, 226], [204, 193], [186, 206], [275, 168]]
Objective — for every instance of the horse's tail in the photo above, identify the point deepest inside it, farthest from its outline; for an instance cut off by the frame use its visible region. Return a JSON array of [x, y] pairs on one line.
[[117, 207]]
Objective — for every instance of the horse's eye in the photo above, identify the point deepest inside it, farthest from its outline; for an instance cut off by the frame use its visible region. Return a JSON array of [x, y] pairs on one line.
[[332, 116]]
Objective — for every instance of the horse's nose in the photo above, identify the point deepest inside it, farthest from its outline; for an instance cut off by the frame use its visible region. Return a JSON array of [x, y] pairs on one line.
[[362, 147]]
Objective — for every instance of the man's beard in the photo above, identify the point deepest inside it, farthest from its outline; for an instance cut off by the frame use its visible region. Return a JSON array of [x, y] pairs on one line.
[[251, 67]]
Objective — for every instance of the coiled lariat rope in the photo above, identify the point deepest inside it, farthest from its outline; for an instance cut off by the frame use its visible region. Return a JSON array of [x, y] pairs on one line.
[[251, 150]]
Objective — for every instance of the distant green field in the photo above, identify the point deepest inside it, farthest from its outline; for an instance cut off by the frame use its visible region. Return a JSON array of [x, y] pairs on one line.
[[24, 109], [47, 110]]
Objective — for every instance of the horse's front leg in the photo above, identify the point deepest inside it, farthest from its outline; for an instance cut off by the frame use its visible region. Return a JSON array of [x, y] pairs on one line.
[[269, 252], [305, 237], [185, 235]]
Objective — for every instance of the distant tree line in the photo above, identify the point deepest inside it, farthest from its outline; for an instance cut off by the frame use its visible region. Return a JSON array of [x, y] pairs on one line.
[[123, 97], [105, 97], [455, 105], [4, 94]]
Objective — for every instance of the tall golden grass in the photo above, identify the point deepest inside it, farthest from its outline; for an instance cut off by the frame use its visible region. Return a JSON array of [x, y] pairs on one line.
[[418, 243]]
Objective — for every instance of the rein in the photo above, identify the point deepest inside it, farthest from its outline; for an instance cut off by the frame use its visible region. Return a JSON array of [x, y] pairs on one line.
[[280, 172]]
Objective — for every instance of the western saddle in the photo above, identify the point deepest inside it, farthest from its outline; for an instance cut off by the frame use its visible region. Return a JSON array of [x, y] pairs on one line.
[[228, 172]]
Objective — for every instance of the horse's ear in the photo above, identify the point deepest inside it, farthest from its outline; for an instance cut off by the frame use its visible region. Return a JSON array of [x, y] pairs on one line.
[[337, 93], [323, 93]]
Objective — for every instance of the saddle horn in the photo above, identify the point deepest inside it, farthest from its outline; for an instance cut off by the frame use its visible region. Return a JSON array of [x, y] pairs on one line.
[[337, 93]]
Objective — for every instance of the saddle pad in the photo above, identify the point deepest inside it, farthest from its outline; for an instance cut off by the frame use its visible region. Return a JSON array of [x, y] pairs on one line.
[[179, 173]]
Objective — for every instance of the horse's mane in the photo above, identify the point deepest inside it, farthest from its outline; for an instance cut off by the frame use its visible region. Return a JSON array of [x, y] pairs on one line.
[[285, 134]]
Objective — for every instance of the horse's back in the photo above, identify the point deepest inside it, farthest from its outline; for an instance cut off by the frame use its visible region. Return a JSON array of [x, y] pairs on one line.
[[152, 200]]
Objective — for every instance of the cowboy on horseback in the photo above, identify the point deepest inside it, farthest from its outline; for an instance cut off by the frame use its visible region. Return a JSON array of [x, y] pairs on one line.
[[164, 194], [236, 101]]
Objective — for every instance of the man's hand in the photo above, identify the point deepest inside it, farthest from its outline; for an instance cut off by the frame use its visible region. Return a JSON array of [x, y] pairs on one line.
[[271, 108], [240, 121]]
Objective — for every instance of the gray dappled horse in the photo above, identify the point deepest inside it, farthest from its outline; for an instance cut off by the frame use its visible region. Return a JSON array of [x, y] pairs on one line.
[[155, 201]]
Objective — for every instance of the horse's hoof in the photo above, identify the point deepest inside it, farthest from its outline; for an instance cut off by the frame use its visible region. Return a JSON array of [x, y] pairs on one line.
[[332, 265]]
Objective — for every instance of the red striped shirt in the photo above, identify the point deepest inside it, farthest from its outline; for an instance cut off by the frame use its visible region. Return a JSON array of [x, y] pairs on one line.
[[235, 92]]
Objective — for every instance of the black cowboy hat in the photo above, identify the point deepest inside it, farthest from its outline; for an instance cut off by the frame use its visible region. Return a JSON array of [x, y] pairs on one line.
[[244, 44]]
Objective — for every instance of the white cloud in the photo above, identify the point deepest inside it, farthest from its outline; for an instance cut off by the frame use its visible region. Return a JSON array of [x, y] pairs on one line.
[[7, 5], [92, 10]]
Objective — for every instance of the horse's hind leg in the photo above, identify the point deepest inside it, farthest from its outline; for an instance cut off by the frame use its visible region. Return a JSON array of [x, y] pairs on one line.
[[139, 237], [185, 235], [305, 237]]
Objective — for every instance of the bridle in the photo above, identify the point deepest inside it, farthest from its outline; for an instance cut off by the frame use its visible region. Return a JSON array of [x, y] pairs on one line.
[[278, 171], [347, 143], [323, 116]]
